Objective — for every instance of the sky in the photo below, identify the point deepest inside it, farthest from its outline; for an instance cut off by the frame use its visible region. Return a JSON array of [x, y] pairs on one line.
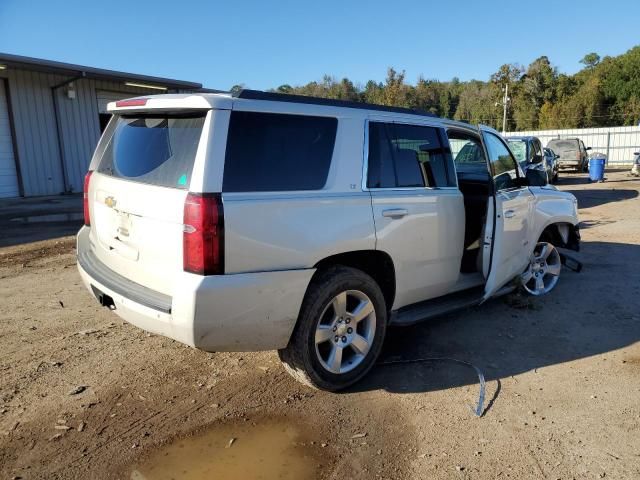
[[264, 44]]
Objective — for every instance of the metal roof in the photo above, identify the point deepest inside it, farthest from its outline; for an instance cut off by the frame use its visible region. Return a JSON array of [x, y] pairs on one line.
[[50, 66]]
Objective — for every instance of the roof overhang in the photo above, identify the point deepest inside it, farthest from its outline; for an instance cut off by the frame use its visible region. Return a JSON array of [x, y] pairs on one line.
[[81, 71]]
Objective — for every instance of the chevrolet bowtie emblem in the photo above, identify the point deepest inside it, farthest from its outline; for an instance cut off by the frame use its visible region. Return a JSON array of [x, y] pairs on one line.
[[110, 202]]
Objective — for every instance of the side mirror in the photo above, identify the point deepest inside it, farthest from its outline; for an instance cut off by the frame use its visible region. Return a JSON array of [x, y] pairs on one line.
[[588, 148], [520, 182], [536, 178], [536, 159], [636, 153]]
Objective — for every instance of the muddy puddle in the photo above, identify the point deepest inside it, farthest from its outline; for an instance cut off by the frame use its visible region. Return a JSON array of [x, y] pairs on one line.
[[271, 449]]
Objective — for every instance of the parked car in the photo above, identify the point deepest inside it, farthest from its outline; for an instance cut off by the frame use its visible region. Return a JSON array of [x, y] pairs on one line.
[[572, 152], [635, 169], [551, 158], [258, 221], [529, 154]]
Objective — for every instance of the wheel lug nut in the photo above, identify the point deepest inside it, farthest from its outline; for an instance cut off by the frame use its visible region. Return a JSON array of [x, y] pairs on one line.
[[349, 330], [335, 328], [337, 338], [344, 339], [348, 320]]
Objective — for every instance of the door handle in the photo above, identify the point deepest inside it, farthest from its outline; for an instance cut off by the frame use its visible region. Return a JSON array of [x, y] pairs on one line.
[[395, 212], [510, 214]]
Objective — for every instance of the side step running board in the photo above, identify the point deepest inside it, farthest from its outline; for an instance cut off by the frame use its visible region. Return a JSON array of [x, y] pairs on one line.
[[428, 309]]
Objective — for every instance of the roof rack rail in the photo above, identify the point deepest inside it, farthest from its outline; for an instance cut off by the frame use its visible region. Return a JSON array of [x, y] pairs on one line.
[[286, 97]]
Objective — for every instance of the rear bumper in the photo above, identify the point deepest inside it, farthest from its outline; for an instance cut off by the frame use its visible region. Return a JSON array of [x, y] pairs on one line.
[[240, 312], [569, 164]]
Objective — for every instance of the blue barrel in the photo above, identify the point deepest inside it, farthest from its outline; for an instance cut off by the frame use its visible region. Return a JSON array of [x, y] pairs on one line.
[[596, 169]]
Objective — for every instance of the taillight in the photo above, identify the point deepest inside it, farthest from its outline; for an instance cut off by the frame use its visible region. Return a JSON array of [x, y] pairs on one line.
[[85, 199], [136, 102], [203, 237]]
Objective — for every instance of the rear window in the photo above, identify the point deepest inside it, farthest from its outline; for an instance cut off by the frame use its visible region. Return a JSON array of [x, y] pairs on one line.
[[153, 149], [563, 145], [278, 152]]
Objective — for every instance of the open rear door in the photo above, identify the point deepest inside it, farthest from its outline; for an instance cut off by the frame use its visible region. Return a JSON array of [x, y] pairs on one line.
[[510, 213]]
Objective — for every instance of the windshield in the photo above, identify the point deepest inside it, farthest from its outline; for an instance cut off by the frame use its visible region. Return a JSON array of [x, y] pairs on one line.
[[563, 145], [153, 149], [519, 149]]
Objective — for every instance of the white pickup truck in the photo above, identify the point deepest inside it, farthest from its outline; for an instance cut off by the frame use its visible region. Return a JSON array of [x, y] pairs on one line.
[[259, 221]]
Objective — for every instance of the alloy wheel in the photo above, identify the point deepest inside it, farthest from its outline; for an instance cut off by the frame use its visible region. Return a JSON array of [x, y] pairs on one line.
[[543, 271], [346, 330]]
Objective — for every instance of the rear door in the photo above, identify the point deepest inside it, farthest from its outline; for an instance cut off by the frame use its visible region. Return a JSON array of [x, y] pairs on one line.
[[137, 195], [514, 205], [418, 210]]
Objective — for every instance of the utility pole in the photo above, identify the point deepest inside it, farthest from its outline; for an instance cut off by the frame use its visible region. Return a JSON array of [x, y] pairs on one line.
[[504, 103], [505, 100]]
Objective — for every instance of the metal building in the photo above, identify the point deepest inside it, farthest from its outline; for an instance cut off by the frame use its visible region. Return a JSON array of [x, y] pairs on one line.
[[52, 115]]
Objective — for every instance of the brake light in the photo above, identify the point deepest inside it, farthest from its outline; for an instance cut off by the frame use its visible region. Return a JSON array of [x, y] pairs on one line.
[[136, 102], [203, 235], [85, 198]]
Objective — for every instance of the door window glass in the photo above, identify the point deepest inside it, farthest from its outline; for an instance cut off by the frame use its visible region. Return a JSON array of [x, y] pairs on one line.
[[408, 156], [503, 166], [467, 153]]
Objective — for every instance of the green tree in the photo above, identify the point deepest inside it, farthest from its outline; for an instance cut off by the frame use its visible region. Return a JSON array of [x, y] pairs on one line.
[[477, 104], [286, 88], [590, 60]]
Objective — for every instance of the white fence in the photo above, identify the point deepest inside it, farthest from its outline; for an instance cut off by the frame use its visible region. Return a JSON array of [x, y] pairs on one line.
[[617, 143]]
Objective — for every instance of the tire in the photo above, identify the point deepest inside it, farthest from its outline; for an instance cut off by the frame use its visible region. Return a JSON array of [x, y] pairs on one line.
[[555, 178], [310, 362]]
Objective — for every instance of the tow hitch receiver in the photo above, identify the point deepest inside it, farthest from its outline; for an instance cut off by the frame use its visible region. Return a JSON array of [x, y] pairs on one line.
[[571, 263], [103, 299]]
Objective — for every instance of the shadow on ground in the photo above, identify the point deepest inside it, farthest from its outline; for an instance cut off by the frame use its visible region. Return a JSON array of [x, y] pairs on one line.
[[504, 339], [589, 198], [26, 220]]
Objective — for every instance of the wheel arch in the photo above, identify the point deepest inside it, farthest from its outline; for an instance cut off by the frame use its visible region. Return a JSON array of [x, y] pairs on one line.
[[562, 234], [375, 263]]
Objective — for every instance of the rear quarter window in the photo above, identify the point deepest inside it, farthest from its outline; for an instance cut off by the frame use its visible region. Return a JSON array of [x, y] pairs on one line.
[[278, 152], [153, 149]]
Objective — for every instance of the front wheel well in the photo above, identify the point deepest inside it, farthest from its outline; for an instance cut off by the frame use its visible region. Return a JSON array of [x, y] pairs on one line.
[[378, 265], [563, 235]]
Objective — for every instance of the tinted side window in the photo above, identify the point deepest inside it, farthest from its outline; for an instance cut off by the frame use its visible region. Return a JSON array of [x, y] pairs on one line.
[[276, 152], [503, 166], [408, 156]]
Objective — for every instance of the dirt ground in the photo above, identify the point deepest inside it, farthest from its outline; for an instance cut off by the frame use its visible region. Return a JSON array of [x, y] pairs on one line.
[[84, 395]]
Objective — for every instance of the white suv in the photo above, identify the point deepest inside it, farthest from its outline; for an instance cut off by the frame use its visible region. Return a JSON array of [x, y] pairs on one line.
[[261, 221]]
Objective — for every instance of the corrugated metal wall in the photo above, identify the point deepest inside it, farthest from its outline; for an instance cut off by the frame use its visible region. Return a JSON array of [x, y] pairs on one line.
[[80, 124], [8, 174], [35, 130], [36, 133], [618, 143]]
